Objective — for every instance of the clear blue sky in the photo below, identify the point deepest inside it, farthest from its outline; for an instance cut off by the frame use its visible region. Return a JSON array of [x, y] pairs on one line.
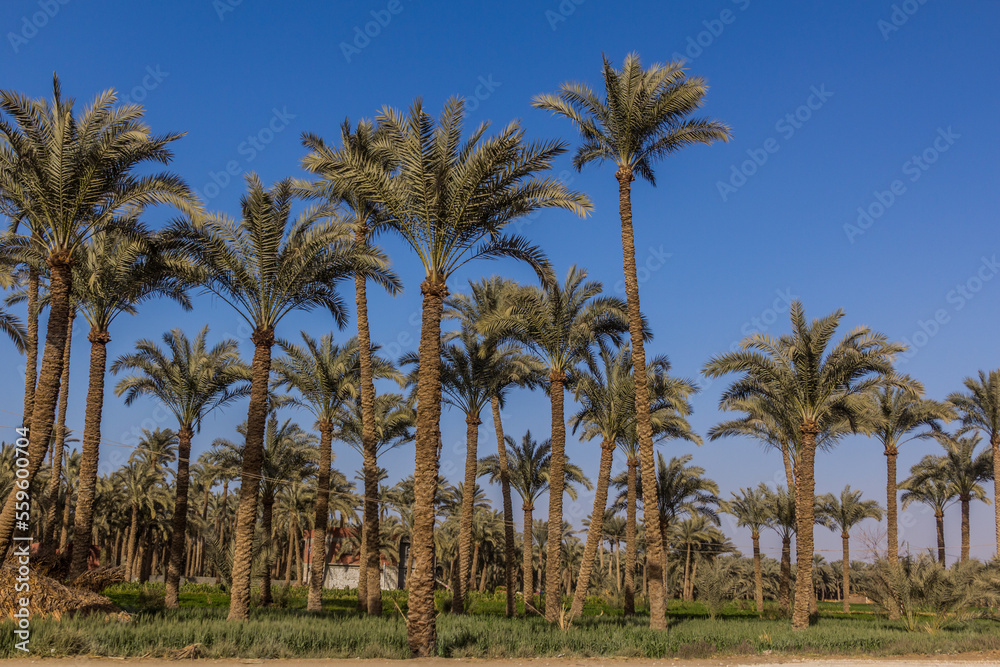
[[833, 101]]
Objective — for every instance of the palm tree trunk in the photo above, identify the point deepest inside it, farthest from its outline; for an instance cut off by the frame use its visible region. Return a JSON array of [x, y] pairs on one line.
[[473, 567], [528, 567], [64, 528], [786, 458], [43, 405], [289, 556], [785, 580], [939, 522], [420, 627], [891, 520], [317, 566], [557, 482], [595, 534], [845, 536], [83, 521], [177, 539], [472, 423], [133, 538], [371, 565], [298, 549], [48, 545], [266, 523], [805, 501], [655, 555], [630, 545], [363, 567], [687, 576], [758, 577], [31, 347], [508, 510], [995, 446], [253, 459], [965, 500]]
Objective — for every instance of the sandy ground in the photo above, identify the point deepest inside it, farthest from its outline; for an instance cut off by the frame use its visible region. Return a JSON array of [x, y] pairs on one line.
[[942, 661]]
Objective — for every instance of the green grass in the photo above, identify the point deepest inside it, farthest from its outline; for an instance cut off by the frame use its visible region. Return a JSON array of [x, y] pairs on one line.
[[340, 632]]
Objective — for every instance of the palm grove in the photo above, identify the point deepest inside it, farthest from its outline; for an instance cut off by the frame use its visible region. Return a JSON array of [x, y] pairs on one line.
[[78, 245]]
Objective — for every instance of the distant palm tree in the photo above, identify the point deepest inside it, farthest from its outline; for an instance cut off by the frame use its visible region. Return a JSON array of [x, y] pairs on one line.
[[842, 514], [449, 200], [751, 509], [781, 505], [191, 381], [266, 266], [963, 468], [141, 480], [529, 465], [822, 388], [98, 153], [935, 492], [643, 117], [979, 406]]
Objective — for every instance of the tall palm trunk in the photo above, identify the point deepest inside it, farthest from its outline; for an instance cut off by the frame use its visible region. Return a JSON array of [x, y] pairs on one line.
[[687, 575], [528, 565], [64, 528], [48, 545], [939, 523], [630, 544], [995, 447], [785, 575], [595, 534], [177, 538], [133, 538], [651, 519], [371, 563], [891, 520], [298, 548], [508, 510], [317, 568], [253, 459], [805, 500], [83, 521], [43, 406], [758, 577], [363, 568], [420, 623], [31, 346], [473, 567], [845, 536], [472, 423], [266, 523], [557, 482], [965, 500]]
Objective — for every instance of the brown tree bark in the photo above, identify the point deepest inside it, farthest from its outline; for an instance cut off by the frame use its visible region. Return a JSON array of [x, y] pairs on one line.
[[420, 623], [965, 500], [651, 519], [595, 533], [805, 501], [758, 577], [630, 537], [528, 566], [472, 423], [266, 528], [43, 406], [995, 447], [508, 511], [31, 347], [785, 576], [939, 523], [133, 539], [253, 459], [557, 483], [317, 568], [83, 521], [48, 542], [178, 537], [363, 567], [846, 537], [891, 515]]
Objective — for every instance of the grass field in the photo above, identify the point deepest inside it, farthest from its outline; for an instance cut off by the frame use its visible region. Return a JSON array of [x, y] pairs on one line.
[[200, 629]]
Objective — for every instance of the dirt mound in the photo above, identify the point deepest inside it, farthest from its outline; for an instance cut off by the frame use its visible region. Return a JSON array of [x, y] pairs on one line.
[[47, 597]]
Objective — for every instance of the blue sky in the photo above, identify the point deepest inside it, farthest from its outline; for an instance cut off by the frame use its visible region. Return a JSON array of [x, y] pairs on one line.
[[860, 176]]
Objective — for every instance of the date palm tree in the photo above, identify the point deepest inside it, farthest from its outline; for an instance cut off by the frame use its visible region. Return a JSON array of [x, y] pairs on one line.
[[643, 117], [64, 177], [935, 492], [963, 468], [782, 507], [559, 324], [822, 389], [751, 509], [190, 380], [530, 466], [979, 406], [265, 266], [449, 200], [327, 377], [842, 514]]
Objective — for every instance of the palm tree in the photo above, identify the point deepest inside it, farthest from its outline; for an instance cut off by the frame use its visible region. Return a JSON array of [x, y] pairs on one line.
[[115, 274], [487, 297], [842, 514], [781, 505], [979, 406], [935, 492], [530, 468], [643, 117], [963, 468], [559, 324], [265, 266], [327, 377], [752, 511], [191, 381], [97, 153], [822, 389], [142, 481], [449, 200]]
